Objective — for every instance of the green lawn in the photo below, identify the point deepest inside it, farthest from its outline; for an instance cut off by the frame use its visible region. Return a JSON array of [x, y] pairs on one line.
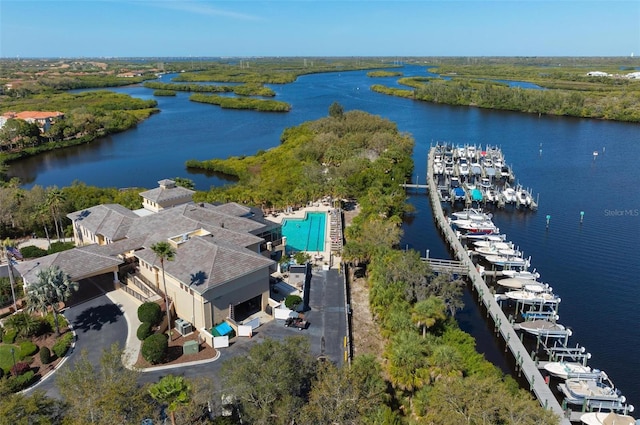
[[6, 360]]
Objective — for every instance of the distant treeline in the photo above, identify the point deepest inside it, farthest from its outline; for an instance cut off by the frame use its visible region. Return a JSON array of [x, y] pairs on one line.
[[241, 90], [618, 106], [242, 103]]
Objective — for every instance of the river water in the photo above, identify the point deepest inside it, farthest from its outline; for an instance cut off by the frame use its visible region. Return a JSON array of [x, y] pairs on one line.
[[594, 265]]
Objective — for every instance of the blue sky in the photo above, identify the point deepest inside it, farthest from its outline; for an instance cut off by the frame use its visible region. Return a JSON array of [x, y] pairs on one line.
[[128, 28]]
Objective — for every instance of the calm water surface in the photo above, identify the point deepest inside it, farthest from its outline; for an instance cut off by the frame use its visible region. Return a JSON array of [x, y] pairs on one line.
[[594, 266]]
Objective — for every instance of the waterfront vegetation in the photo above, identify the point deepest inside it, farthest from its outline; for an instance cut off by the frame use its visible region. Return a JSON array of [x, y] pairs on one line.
[[384, 74], [164, 93], [87, 116], [566, 90], [277, 70], [42, 211], [240, 90], [242, 103]]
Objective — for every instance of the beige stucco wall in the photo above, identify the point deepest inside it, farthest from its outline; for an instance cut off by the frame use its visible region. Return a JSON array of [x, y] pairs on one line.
[[213, 307], [238, 291]]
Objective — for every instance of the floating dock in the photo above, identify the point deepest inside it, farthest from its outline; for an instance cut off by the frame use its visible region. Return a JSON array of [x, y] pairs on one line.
[[524, 364]]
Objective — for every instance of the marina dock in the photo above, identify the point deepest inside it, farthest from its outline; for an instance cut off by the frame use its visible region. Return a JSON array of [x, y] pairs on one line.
[[524, 363]]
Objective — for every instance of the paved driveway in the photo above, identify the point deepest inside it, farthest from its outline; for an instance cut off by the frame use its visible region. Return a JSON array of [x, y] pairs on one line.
[[98, 324], [326, 331]]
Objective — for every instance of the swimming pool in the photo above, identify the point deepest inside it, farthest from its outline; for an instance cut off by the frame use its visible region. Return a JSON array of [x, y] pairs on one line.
[[307, 234]]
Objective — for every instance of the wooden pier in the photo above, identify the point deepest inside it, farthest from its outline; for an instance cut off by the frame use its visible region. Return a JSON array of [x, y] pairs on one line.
[[524, 363], [448, 266]]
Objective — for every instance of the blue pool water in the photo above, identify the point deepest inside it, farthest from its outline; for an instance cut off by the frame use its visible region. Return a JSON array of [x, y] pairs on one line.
[[305, 235]]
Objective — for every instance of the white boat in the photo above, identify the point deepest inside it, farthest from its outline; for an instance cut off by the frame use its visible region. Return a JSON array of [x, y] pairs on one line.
[[566, 370], [505, 261], [540, 327], [493, 250], [606, 418], [494, 244], [534, 294], [521, 274], [438, 168], [579, 390], [472, 214], [463, 168], [485, 183], [491, 195], [496, 237], [514, 282], [475, 226], [523, 197], [448, 169], [510, 195]]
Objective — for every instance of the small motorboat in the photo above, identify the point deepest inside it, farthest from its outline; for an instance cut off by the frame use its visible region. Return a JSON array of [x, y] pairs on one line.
[[510, 196], [521, 274], [472, 214], [606, 418], [579, 390], [565, 370], [534, 293], [506, 261]]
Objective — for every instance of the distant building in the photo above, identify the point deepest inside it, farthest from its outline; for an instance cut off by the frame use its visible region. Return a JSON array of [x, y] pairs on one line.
[[43, 119], [598, 74]]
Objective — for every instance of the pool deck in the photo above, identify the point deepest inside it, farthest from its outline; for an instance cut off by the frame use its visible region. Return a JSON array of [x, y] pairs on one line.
[[318, 257]]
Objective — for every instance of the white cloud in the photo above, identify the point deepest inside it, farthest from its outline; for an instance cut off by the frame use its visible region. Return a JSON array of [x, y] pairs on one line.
[[201, 8]]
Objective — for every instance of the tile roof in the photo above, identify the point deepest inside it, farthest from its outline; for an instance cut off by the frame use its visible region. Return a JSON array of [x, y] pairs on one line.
[[110, 220], [162, 194], [77, 263], [35, 115], [206, 262]]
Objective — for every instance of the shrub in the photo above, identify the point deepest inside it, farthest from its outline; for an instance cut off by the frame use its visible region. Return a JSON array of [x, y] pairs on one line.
[[292, 301], [20, 382], [51, 322], [32, 251], [20, 368], [9, 336], [62, 344], [45, 355], [155, 348], [144, 331], [27, 348], [60, 246], [25, 324], [150, 312]]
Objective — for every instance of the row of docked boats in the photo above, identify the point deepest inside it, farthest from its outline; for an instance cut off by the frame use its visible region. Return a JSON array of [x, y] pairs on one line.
[[533, 307], [473, 175]]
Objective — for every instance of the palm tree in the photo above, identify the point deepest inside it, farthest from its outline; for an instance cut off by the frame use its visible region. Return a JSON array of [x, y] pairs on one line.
[[52, 287], [55, 200], [42, 213], [164, 251], [428, 312], [172, 390]]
